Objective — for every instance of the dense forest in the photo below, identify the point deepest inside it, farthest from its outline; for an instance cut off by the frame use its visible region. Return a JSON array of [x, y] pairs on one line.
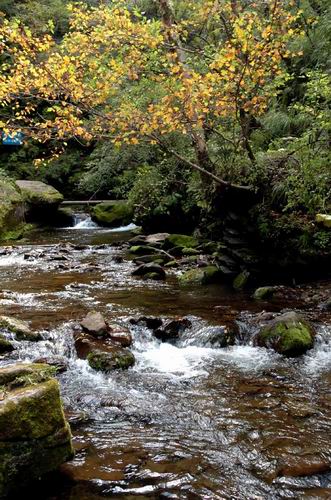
[[216, 100]]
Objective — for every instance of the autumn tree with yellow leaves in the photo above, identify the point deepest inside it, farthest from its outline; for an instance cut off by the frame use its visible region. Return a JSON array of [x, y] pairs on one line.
[[120, 76]]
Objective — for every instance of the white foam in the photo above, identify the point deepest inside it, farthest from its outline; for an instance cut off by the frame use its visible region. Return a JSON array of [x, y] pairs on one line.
[[318, 359], [166, 358], [85, 224], [249, 358]]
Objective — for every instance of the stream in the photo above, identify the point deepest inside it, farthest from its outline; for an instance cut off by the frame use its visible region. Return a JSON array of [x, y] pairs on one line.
[[189, 420]]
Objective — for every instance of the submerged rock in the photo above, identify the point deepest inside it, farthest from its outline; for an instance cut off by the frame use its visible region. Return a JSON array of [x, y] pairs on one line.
[[117, 359], [112, 213], [34, 435], [20, 328], [95, 324], [289, 334]]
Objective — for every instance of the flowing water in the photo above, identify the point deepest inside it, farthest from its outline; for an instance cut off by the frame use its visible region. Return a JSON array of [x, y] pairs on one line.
[[190, 420]]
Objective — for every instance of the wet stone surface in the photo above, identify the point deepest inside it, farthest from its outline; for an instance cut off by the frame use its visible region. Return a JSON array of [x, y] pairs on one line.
[[191, 419]]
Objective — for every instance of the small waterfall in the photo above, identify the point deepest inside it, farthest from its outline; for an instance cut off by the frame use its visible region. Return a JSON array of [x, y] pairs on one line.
[[84, 221]]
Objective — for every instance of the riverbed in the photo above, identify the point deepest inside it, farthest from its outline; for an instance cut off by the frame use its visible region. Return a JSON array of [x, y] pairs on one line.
[[188, 421]]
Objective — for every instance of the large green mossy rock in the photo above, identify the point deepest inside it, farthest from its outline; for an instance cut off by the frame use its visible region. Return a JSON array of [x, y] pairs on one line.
[[39, 194], [11, 207], [289, 334], [201, 276], [181, 241], [264, 293], [116, 359], [34, 435], [112, 213]]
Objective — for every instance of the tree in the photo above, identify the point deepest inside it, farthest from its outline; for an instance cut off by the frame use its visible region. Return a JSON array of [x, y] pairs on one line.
[[118, 75]]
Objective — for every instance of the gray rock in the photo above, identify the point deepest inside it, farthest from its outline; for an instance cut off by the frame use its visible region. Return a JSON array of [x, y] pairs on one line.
[[95, 324]]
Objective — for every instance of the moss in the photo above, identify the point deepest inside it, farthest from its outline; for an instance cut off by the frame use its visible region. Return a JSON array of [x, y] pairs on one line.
[[142, 250], [38, 193], [23, 412], [202, 276], [20, 328], [288, 334], [11, 207], [10, 374], [190, 251], [241, 280], [264, 292], [108, 361], [17, 233], [112, 214], [154, 276], [181, 240]]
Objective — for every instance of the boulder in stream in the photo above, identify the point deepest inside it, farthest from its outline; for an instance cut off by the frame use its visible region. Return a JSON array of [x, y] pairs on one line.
[[172, 328], [288, 334], [95, 324], [20, 328], [181, 241], [34, 435], [112, 213], [151, 271], [264, 293], [116, 359], [119, 334], [41, 200], [202, 276]]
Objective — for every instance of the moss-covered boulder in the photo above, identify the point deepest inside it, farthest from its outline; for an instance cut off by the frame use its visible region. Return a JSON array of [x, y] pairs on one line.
[[117, 359], [20, 328], [202, 276], [289, 334], [11, 208], [180, 240], [143, 250], [241, 280], [39, 194], [34, 435], [22, 374], [264, 293], [112, 213]]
